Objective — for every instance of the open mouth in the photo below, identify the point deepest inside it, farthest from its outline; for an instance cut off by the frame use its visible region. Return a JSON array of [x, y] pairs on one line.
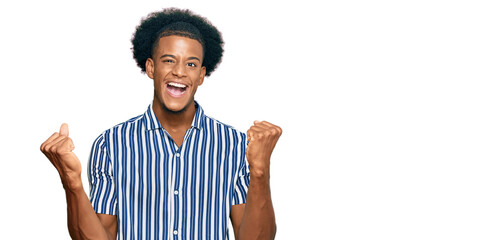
[[176, 89]]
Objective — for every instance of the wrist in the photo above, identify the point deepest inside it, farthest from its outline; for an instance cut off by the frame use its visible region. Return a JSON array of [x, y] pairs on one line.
[[72, 182], [259, 172]]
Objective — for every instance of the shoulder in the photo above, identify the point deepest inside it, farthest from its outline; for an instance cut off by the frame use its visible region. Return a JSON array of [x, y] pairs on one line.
[[214, 124], [225, 131], [128, 125], [132, 122]]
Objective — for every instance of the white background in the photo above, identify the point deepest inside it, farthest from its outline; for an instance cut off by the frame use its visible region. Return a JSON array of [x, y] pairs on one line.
[[391, 110]]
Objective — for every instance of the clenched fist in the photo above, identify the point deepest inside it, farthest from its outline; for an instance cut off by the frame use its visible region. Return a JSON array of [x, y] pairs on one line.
[[58, 149], [262, 137]]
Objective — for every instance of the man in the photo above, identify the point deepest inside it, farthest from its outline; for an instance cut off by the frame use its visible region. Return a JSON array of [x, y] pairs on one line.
[[173, 172]]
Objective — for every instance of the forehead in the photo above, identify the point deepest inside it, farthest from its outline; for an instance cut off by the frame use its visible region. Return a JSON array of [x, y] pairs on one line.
[[179, 45]]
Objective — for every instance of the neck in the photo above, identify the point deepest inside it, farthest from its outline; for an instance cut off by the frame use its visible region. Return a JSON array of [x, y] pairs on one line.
[[174, 120]]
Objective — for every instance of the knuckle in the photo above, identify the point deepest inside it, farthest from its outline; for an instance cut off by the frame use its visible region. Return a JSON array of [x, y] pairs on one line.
[[53, 149], [274, 132], [59, 151]]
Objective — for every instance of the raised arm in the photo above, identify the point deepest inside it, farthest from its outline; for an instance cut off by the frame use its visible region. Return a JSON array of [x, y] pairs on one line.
[[256, 220], [83, 222]]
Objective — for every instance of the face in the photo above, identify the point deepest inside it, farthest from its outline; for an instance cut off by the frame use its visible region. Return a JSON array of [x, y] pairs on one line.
[[177, 71]]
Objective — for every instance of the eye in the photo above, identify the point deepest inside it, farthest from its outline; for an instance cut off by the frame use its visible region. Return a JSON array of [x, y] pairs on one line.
[[168, 61], [191, 65]]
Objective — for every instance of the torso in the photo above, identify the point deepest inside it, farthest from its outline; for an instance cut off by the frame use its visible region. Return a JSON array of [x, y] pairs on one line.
[[156, 188]]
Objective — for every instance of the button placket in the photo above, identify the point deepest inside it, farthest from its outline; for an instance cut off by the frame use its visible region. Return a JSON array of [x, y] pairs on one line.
[[176, 195]]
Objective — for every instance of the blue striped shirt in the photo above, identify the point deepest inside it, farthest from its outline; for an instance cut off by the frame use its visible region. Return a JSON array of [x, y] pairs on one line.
[[161, 191]]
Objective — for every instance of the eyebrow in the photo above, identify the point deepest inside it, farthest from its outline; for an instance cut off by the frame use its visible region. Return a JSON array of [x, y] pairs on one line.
[[173, 56]]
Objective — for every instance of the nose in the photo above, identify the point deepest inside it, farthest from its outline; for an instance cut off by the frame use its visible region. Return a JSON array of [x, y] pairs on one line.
[[178, 69]]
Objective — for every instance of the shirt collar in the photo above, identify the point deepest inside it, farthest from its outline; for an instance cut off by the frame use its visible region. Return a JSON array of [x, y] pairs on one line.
[[152, 122]]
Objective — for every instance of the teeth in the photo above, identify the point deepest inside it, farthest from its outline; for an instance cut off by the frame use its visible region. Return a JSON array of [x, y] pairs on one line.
[[178, 85]]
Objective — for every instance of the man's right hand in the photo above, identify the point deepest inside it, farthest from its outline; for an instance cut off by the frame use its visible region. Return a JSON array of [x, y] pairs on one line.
[[58, 149]]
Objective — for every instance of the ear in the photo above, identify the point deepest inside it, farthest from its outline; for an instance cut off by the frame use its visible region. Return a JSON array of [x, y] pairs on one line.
[[201, 75], [149, 68]]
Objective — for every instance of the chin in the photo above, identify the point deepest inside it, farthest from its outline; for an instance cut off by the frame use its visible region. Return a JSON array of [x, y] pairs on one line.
[[176, 108], [175, 111]]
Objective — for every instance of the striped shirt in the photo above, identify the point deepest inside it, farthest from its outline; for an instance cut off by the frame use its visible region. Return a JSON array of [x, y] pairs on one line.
[[161, 191]]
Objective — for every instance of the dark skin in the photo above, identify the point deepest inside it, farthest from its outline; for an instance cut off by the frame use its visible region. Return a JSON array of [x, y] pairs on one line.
[[175, 60], [179, 60]]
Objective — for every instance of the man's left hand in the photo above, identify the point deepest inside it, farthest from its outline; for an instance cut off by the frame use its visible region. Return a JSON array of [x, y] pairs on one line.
[[262, 137]]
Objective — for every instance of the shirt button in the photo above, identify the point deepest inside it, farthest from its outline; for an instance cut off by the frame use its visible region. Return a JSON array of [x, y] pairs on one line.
[[175, 192], [178, 154], [175, 232]]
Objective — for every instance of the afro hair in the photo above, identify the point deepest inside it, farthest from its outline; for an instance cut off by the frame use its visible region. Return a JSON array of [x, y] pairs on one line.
[[173, 21]]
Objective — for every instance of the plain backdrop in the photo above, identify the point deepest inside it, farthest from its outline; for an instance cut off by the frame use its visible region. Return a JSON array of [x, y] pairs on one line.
[[391, 110]]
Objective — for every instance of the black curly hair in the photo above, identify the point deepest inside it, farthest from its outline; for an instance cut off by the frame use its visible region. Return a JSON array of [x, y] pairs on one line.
[[174, 21]]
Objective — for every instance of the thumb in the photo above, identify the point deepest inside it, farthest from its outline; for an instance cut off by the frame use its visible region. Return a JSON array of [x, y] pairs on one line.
[[63, 130]]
